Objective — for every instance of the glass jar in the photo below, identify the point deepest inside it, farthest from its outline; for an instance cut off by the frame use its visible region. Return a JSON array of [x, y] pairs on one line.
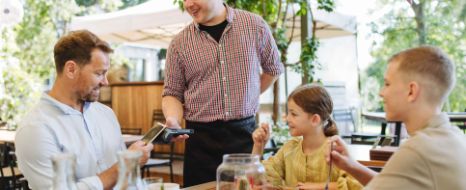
[[64, 165], [240, 172], [129, 173]]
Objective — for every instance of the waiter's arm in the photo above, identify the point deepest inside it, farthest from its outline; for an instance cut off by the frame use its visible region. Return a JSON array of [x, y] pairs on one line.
[[172, 108], [267, 80]]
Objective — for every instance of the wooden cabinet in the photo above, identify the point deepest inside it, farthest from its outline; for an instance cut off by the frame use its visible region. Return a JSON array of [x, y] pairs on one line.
[[134, 103]]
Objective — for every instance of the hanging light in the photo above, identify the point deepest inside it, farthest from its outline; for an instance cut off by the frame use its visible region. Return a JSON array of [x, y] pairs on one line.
[[11, 12]]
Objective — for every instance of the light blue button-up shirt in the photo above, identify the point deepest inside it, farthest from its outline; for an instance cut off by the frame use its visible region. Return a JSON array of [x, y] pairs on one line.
[[52, 127]]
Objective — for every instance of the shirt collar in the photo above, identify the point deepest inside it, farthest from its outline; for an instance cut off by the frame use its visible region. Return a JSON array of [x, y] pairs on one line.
[[230, 15], [66, 109], [439, 120]]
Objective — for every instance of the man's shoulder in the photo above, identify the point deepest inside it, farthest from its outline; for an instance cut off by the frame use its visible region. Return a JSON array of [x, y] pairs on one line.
[[246, 16], [433, 143], [183, 34], [42, 112], [101, 107], [441, 134]]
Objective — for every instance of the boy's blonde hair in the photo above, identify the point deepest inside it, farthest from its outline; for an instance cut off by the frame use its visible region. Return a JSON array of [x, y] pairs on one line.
[[431, 67]]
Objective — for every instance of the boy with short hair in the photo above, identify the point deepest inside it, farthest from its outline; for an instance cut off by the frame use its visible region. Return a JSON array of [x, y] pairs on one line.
[[417, 83]]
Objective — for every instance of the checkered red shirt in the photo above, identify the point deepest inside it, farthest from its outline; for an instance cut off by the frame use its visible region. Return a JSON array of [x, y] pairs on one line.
[[221, 81]]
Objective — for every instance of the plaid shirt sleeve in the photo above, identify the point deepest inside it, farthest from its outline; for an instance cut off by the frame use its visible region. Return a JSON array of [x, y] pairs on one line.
[[175, 82], [270, 59]]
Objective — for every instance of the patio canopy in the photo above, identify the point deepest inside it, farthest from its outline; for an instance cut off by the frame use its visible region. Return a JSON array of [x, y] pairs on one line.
[[155, 23]]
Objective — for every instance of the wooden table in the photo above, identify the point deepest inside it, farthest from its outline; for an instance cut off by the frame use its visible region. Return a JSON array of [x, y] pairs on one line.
[[359, 151], [9, 137]]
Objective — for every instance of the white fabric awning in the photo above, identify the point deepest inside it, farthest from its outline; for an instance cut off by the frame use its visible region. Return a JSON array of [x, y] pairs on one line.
[[155, 23]]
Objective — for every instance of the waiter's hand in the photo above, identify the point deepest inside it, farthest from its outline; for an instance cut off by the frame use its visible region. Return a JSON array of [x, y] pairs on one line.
[[172, 123]]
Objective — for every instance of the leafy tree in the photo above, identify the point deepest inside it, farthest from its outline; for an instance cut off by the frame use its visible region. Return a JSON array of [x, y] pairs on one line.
[[129, 3], [26, 52], [413, 23]]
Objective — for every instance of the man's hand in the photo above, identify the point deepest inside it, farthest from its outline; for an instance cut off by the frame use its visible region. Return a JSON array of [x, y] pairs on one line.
[[172, 123], [340, 154], [145, 149], [341, 158]]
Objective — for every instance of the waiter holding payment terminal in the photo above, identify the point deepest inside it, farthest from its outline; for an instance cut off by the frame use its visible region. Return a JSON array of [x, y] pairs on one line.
[[216, 68]]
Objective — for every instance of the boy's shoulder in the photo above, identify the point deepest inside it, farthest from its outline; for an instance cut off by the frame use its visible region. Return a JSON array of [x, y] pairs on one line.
[[433, 141]]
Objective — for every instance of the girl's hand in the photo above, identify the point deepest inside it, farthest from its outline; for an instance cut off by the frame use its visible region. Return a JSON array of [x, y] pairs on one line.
[[261, 135], [316, 186]]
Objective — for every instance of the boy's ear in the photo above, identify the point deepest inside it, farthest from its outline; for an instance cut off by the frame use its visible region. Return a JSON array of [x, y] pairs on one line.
[[414, 91]]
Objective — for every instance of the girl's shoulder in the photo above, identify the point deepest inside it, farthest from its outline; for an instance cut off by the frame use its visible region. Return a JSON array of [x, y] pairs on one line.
[[293, 142]]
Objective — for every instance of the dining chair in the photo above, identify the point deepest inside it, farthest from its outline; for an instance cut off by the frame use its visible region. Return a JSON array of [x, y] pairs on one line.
[[160, 160], [10, 176], [345, 115]]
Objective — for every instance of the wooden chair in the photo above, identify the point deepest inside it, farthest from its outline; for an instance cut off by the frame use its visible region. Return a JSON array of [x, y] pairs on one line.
[[160, 159]]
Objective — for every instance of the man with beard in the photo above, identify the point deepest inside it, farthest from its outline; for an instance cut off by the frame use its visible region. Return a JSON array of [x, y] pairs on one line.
[[68, 119]]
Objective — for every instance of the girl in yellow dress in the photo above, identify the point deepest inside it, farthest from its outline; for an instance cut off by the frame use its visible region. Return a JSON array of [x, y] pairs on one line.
[[301, 163]]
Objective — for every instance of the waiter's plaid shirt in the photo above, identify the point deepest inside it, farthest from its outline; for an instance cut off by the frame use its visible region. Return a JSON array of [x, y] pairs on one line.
[[221, 81]]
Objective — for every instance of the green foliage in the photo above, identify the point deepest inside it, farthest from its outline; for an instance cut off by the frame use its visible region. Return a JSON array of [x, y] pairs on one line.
[[20, 91], [308, 59], [129, 3], [445, 28], [326, 5], [26, 56], [281, 134]]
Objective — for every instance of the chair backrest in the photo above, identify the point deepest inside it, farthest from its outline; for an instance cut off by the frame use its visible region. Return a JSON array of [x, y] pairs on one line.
[[131, 131], [157, 116], [345, 121], [343, 115]]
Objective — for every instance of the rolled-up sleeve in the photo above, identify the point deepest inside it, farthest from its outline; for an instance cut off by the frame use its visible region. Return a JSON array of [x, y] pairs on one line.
[[174, 83], [34, 150], [270, 59]]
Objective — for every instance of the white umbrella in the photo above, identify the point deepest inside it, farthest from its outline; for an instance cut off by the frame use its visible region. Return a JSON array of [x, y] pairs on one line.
[[11, 12], [157, 21]]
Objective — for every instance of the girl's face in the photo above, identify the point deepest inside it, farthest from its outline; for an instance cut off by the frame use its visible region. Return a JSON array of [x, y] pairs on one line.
[[300, 122]]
